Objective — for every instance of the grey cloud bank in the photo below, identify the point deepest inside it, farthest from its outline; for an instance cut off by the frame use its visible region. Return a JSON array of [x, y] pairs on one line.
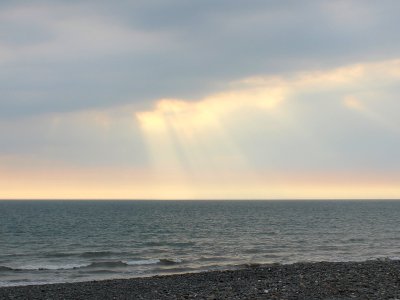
[[65, 56]]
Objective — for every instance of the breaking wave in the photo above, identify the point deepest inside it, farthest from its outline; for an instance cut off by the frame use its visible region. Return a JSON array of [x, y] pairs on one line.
[[94, 265]]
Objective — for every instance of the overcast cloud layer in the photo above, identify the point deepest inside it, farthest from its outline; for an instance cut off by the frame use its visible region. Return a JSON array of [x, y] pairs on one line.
[[70, 55], [198, 87]]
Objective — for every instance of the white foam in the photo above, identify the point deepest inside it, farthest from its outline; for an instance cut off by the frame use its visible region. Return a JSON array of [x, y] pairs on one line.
[[142, 262], [50, 267], [394, 257]]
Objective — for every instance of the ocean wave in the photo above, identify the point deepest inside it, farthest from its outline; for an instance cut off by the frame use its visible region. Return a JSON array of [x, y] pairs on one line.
[[143, 262], [169, 243], [87, 254], [58, 254], [90, 254], [123, 263], [165, 261], [202, 259], [161, 261], [106, 264], [388, 258], [94, 265], [43, 267]]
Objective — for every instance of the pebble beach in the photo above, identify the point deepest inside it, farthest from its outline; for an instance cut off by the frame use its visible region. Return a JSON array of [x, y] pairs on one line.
[[375, 279]]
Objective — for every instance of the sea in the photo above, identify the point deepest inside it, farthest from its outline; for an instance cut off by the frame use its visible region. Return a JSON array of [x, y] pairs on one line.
[[71, 241]]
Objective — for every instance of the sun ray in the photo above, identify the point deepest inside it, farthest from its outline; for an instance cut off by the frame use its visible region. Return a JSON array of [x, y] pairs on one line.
[[356, 104]]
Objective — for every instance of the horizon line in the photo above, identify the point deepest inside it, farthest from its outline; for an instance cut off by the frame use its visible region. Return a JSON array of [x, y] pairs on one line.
[[207, 199]]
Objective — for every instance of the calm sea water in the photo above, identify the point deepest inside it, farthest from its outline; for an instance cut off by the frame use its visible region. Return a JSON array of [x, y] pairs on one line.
[[67, 241]]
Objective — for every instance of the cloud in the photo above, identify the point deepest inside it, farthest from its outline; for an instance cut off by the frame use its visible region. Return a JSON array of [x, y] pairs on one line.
[[70, 36], [304, 135], [325, 120], [107, 138], [304, 121], [66, 56]]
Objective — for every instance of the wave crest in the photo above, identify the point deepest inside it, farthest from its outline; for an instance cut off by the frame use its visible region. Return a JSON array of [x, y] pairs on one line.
[[94, 265], [106, 264]]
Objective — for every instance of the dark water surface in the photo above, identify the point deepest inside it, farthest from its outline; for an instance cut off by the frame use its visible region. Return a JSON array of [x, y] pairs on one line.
[[66, 241]]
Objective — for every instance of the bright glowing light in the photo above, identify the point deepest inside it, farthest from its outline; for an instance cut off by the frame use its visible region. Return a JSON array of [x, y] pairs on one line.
[[181, 133], [194, 151]]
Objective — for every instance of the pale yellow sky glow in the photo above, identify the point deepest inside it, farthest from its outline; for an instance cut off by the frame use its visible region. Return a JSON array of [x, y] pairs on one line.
[[130, 184], [204, 148]]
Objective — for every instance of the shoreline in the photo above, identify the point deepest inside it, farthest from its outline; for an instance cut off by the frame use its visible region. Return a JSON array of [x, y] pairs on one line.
[[373, 279]]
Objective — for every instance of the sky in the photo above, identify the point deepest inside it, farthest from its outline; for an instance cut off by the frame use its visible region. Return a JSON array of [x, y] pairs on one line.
[[177, 99]]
